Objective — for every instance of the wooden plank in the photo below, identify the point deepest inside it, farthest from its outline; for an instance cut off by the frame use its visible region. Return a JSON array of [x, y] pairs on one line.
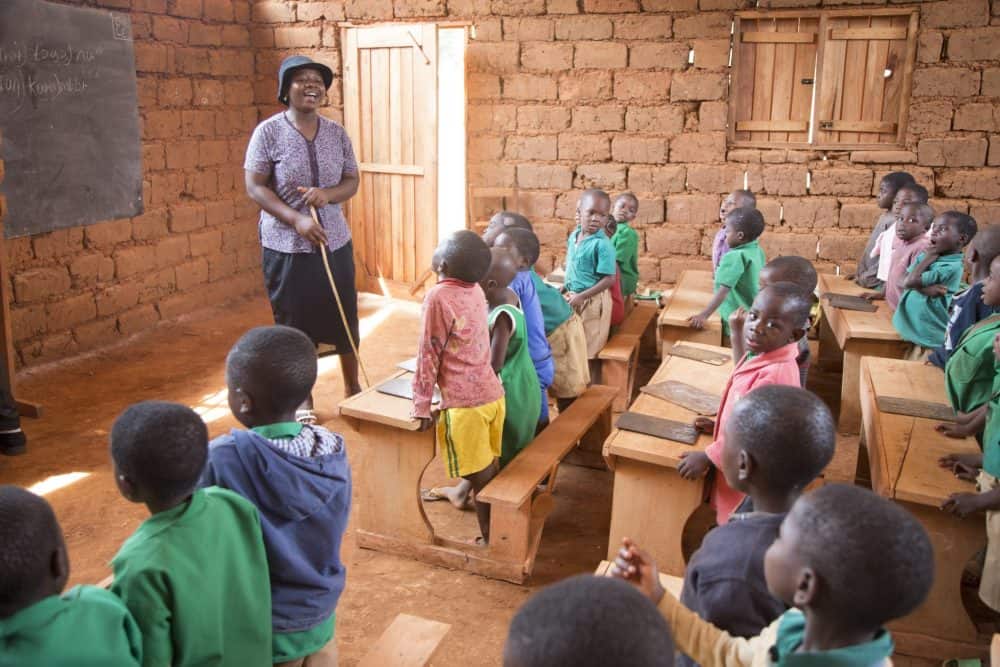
[[736, 77], [690, 296], [925, 409], [802, 93], [830, 71], [409, 641], [852, 83], [382, 132], [879, 33], [763, 82], [784, 71], [396, 158], [396, 169], [425, 93], [373, 406], [699, 354], [620, 347], [666, 429], [389, 36], [772, 126], [370, 232], [857, 126], [685, 395], [901, 55], [744, 65], [406, 131], [763, 37], [874, 89]]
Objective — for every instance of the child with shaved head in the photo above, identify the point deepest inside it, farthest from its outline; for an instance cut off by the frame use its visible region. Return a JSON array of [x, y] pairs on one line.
[[591, 269]]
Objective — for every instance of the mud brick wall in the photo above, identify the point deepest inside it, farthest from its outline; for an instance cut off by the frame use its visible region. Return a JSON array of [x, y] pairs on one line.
[[568, 94], [195, 245]]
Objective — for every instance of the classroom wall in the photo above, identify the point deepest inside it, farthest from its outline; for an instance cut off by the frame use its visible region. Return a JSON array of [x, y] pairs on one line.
[[196, 243], [566, 94]]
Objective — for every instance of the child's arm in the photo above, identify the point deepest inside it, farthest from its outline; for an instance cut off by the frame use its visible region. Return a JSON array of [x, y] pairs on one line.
[[144, 593], [964, 504], [736, 323], [915, 278], [433, 338], [966, 424], [500, 335], [578, 300], [698, 321]]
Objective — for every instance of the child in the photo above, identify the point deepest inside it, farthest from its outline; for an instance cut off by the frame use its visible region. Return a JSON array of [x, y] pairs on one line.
[[617, 300], [890, 184], [626, 241], [911, 228], [299, 479], [563, 327], [846, 559], [39, 624], [888, 240], [194, 574], [968, 306], [736, 199], [590, 269], [527, 294], [798, 271], [736, 277], [764, 347], [588, 621], [778, 440], [454, 353], [923, 313]]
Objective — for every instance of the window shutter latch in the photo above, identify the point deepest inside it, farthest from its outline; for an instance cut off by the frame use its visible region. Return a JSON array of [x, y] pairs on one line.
[[826, 125], [808, 82]]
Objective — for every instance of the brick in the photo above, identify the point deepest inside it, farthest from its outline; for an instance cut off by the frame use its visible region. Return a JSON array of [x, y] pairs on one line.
[[188, 8], [172, 251], [610, 6], [297, 36], [929, 45], [192, 273], [573, 28], [669, 5], [649, 270], [528, 29], [840, 247], [883, 157], [955, 13], [665, 179], [168, 29], [28, 322], [628, 148], [991, 82], [96, 334], [493, 117], [584, 147], [156, 285], [652, 55], [133, 261], [715, 178], [726, 4], [531, 148], [137, 319], [811, 212], [416, 8], [67, 313], [543, 118], [650, 211], [703, 25], [197, 123], [314, 11], [182, 154], [488, 147], [553, 177], [664, 119], [221, 266], [529, 87], [940, 205], [945, 82], [535, 205], [151, 6], [161, 124], [986, 213], [607, 118], [600, 55], [262, 38], [492, 56], [204, 34], [152, 224], [711, 53], [932, 117], [978, 116], [546, 56], [273, 12], [517, 7], [237, 93], [173, 92], [770, 209], [551, 233], [218, 11], [192, 60], [693, 209], [785, 180], [978, 183], [58, 243], [107, 234], [644, 86], [50, 348], [605, 176], [482, 86], [697, 86], [838, 181], [671, 268], [778, 244], [231, 62], [562, 7], [993, 157], [42, 283], [491, 175], [487, 29], [972, 45], [712, 116], [580, 87], [953, 152], [91, 267], [698, 147], [152, 58], [665, 240], [646, 26], [213, 153]]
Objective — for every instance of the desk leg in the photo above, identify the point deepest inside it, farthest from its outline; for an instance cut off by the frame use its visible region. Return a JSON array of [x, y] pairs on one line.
[[652, 504], [850, 384], [670, 334], [941, 626], [830, 356]]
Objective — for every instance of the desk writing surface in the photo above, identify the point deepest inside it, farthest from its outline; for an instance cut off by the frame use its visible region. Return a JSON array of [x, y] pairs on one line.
[[374, 406], [693, 291], [850, 324], [667, 452]]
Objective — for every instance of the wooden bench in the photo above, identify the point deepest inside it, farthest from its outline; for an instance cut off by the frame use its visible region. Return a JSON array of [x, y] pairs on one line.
[[673, 585], [409, 641], [392, 455], [903, 453], [693, 291], [641, 321], [619, 361]]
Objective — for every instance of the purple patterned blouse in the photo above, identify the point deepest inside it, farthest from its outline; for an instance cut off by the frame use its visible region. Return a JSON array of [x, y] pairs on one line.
[[279, 150]]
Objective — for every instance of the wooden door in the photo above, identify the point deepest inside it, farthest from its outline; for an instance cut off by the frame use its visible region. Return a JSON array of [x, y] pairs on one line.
[[390, 113]]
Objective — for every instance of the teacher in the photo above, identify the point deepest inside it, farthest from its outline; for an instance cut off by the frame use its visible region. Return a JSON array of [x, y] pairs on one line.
[[297, 159]]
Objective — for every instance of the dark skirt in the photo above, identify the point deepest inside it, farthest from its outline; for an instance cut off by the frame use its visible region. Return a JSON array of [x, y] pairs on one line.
[[301, 297]]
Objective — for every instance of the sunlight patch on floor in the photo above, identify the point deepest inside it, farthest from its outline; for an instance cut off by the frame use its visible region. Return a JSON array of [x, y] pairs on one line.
[[56, 482]]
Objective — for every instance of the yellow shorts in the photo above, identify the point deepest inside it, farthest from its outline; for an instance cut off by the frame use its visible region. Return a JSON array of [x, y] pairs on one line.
[[569, 354], [989, 585], [596, 316], [469, 438]]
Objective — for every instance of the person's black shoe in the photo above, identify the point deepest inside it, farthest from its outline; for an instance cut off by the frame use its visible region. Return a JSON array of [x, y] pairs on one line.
[[13, 443]]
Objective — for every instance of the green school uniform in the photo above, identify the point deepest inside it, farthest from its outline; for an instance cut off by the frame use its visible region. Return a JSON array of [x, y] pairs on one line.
[[195, 578], [555, 309], [739, 270], [969, 373], [520, 387], [921, 319], [991, 436], [86, 626], [626, 243], [791, 632], [589, 261]]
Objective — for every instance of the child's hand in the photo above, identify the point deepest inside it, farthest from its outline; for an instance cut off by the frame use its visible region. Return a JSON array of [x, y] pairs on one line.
[[963, 466], [963, 504], [873, 296], [934, 290], [638, 568], [576, 301], [697, 321], [704, 425], [428, 422], [694, 465], [953, 430], [736, 322]]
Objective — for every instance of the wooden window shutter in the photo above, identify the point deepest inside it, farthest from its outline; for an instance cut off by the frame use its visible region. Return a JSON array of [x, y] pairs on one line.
[[774, 65], [865, 73]]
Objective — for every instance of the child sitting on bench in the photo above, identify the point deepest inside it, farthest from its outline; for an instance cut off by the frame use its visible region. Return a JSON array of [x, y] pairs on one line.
[[590, 269], [888, 187], [588, 621], [778, 440], [39, 623], [848, 562], [885, 244], [734, 200], [299, 479], [454, 353], [765, 346], [737, 275], [194, 574], [930, 283], [911, 239], [626, 242], [798, 271]]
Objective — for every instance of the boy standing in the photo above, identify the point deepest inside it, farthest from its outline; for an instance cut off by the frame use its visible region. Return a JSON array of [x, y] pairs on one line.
[[922, 314], [765, 345], [734, 200], [867, 263], [454, 353], [299, 479], [39, 624], [778, 440], [626, 242], [737, 275], [194, 574], [590, 269]]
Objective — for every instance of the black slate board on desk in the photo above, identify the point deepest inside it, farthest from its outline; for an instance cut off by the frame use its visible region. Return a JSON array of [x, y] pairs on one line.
[[69, 117], [850, 302], [658, 427], [698, 354], [402, 387]]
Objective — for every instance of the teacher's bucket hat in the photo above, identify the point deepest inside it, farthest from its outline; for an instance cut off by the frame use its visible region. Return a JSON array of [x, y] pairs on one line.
[[291, 64]]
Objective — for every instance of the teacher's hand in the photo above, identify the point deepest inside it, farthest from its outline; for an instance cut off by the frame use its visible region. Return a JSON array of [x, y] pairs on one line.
[[315, 197], [309, 230]]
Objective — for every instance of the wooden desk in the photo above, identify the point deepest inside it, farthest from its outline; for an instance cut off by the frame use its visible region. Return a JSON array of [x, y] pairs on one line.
[[903, 453], [855, 334], [691, 294], [651, 502]]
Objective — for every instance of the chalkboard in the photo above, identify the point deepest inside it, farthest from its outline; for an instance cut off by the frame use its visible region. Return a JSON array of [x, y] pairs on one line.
[[68, 117]]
